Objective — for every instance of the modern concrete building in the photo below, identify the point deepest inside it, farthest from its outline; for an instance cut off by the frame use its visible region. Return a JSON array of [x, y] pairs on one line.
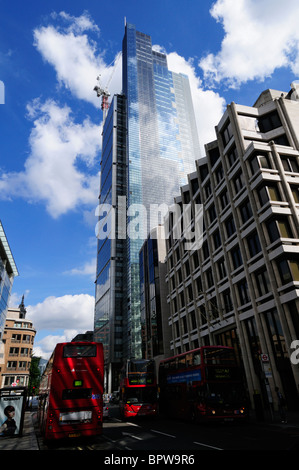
[[241, 288], [18, 339]]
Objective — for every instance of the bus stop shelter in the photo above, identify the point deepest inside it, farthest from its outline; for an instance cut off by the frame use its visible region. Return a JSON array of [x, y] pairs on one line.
[[12, 410]]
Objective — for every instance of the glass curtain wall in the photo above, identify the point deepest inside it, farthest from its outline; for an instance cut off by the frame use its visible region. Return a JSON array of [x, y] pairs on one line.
[[158, 163]]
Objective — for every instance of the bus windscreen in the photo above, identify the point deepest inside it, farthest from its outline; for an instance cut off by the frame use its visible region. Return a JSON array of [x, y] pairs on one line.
[[75, 350]]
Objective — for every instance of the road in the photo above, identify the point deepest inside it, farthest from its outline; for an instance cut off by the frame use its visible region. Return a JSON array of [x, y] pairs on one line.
[[158, 434]]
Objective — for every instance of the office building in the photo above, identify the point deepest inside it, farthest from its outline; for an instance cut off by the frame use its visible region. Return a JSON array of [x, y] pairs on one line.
[[153, 295], [109, 321], [241, 288], [8, 271], [162, 146], [146, 156], [18, 339]]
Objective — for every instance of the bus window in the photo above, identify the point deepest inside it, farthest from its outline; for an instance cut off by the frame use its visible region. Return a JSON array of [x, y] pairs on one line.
[[181, 362], [77, 350], [196, 358], [189, 360]]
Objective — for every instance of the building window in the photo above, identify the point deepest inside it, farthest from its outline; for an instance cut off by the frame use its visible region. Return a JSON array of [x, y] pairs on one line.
[[269, 121], [217, 239], [295, 193], [205, 250], [227, 301], [230, 226], [189, 293], [281, 140], [214, 154], [203, 171], [208, 189], [290, 164], [239, 182], [246, 211], [192, 320], [269, 192], [209, 276], [224, 200], [288, 270], [182, 299], [212, 214], [263, 282], [227, 134], [198, 285], [259, 161], [194, 186], [236, 257], [276, 335], [279, 228], [219, 174], [254, 245], [243, 292], [195, 260], [221, 269], [232, 156]]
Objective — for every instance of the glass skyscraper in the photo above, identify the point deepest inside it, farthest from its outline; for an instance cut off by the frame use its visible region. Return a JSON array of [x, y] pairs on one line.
[[160, 148]]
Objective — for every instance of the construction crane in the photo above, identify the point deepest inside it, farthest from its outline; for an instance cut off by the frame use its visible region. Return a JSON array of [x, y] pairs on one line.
[[104, 91]]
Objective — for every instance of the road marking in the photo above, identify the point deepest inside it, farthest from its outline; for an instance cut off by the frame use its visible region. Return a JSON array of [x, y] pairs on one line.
[[206, 445], [164, 433], [132, 435]]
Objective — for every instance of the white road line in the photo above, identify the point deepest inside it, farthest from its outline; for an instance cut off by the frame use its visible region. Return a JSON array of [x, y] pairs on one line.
[[206, 445], [164, 433], [132, 435]]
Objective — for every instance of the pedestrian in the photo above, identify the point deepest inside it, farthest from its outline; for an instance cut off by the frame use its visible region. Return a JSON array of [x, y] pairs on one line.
[[281, 405]]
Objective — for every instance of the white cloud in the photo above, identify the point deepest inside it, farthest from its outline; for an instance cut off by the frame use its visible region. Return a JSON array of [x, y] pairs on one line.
[[208, 105], [88, 269], [260, 36], [75, 58], [60, 312], [44, 347], [77, 24], [60, 168]]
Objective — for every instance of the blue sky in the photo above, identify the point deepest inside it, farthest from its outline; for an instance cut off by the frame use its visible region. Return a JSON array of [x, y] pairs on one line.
[[50, 56]]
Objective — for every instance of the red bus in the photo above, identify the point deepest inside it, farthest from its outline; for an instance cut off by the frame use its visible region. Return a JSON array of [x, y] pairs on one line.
[[71, 391], [138, 389], [205, 384]]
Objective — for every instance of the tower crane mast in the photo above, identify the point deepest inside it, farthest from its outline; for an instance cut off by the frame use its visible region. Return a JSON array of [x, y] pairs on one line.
[[103, 92]]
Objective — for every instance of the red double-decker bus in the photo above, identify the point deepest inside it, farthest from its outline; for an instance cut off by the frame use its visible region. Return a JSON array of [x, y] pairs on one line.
[[205, 384], [71, 391], [138, 389]]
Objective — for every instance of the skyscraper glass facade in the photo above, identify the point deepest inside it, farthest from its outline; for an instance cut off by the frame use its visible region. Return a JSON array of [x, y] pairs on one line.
[[149, 146], [162, 148], [111, 249], [8, 271]]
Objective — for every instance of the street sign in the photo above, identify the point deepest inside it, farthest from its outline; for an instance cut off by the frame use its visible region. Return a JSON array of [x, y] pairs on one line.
[[264, 357]]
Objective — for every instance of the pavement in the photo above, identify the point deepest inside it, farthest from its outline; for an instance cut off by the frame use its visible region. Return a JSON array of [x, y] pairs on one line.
[[29, 438]]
